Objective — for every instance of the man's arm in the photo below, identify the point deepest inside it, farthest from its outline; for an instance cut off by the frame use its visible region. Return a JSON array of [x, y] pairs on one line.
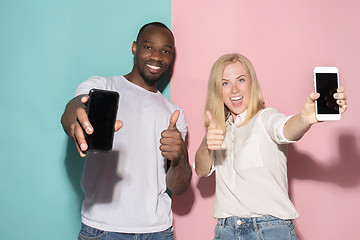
[[174, 149], [179, 174]]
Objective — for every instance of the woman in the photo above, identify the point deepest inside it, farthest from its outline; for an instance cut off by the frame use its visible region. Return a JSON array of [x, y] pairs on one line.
[[245, 144]]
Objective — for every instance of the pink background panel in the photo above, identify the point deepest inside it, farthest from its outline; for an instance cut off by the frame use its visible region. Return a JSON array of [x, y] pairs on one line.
[[284, 40]]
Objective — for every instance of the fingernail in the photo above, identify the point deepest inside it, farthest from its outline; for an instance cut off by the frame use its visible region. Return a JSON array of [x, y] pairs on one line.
[[336, 95], [83, 147], [88, 129]]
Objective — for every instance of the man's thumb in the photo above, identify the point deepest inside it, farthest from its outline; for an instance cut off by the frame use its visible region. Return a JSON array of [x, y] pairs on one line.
[[173, 119]]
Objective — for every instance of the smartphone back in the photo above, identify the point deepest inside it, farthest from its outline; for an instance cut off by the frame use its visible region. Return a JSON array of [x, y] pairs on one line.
[[102, 110]]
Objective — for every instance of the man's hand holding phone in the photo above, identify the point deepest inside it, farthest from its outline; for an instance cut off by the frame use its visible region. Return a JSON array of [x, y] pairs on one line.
[[75, 121]]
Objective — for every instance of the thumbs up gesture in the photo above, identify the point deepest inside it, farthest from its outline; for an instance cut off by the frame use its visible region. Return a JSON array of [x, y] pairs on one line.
[[214, 135], [171, 140]]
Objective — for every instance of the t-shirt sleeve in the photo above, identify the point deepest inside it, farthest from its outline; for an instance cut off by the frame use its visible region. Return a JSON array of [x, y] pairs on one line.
[[181, 124], [92, 82]]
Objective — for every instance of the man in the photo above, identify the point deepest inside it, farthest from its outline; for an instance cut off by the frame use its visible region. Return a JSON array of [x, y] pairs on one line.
[[125, 189]]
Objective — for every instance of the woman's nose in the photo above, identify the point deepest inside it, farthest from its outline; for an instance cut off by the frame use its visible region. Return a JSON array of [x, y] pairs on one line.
[[234, 88]]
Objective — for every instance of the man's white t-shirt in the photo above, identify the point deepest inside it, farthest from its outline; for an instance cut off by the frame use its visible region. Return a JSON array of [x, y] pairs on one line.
[[125, 189]]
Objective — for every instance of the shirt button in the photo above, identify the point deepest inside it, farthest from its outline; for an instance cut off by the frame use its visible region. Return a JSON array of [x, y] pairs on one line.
[[238, 222]]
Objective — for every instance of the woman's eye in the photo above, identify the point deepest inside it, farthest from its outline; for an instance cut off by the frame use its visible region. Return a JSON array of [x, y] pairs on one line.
[[225, 83]]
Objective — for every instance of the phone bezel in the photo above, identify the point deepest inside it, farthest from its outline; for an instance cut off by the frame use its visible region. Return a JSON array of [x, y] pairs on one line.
[[326, 117]]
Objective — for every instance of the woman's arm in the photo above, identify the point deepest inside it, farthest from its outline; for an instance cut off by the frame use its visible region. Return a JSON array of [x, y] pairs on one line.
[[203, 161], [300, 123], [213, 140]]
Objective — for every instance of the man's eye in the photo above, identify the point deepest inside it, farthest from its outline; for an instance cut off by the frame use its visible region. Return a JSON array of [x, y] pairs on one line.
[[167, 51], [147, 47]]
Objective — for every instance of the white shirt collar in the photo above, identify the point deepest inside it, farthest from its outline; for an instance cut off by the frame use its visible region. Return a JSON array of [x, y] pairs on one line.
[[238, 119]]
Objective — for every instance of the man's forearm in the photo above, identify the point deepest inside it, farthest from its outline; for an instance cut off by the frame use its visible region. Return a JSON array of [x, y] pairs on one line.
[[179, 174]]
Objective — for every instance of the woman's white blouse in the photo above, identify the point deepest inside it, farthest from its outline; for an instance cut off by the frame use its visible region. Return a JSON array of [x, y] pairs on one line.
[[251, 171]]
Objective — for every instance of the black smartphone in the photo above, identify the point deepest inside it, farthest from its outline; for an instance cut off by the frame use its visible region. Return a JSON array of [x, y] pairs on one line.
[[102, 110]]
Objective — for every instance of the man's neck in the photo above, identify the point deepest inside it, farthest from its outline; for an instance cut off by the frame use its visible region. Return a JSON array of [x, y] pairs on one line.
[[138, 80]]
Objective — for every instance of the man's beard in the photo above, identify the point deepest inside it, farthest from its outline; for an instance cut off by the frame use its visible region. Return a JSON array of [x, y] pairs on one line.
[[149, 80]]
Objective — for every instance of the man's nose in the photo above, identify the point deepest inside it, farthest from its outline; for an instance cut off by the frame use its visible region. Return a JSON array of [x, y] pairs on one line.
[[156, 55]]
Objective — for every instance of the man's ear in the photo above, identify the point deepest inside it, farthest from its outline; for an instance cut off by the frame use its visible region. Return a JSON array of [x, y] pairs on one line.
[[134, 48]]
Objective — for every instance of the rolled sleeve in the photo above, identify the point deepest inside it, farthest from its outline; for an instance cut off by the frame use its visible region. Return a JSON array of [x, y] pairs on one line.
[[274, 123]]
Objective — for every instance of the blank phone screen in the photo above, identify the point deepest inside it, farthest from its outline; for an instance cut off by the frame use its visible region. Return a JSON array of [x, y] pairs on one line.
[[102, 110], [326, 85]]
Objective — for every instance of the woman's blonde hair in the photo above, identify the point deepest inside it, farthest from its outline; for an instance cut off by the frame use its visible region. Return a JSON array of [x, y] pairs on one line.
[[214, 102]]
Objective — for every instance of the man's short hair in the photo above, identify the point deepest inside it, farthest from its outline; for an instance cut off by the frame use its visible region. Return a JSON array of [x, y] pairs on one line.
[[158, 24]]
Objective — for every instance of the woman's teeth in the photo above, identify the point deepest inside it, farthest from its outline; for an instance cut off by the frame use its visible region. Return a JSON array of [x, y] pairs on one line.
[[236, 98]]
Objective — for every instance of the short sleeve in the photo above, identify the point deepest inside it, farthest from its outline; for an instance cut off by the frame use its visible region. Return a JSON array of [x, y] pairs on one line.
[[92, 82], [181, 124]]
